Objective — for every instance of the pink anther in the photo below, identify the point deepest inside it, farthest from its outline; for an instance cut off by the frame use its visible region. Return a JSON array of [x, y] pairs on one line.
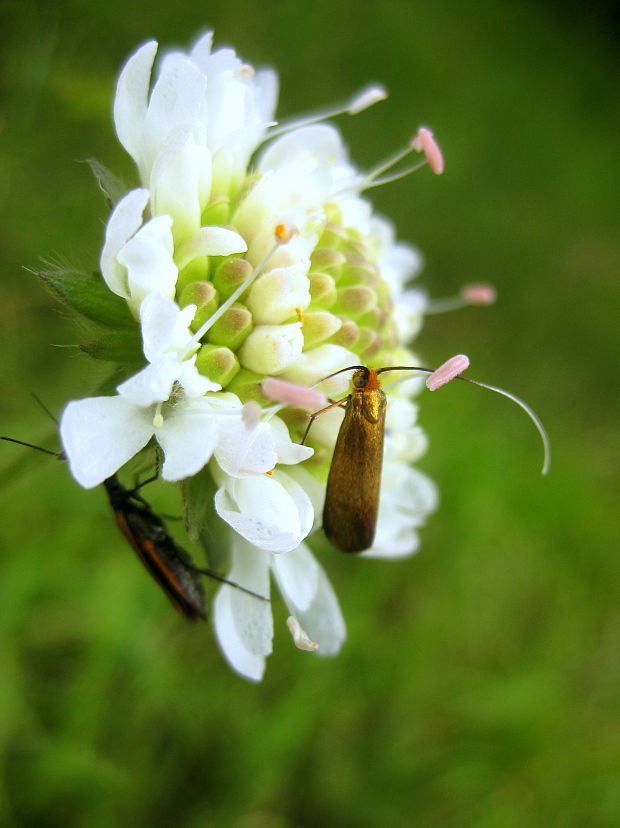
[[447, 372], [480, 294], [424, 142], [292, 394]]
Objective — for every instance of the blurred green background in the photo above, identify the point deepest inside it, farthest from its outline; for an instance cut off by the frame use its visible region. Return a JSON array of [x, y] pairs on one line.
[[480, 683]]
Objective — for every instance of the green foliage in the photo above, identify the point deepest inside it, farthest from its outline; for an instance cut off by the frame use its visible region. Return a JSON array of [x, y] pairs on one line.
[[122, 347], [89, 295], [110, 185]]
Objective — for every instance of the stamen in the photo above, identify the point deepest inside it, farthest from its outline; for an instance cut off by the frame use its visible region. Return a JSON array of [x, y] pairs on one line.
[[366, 98], [300, 315], [424, 142], [283, 234], [447, 372], [158, 419], [478, 294], [358, 103], [300, 638], [290, 393]]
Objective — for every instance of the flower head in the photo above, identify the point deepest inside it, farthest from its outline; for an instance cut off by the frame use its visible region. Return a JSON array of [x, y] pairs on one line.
[[249, 251]]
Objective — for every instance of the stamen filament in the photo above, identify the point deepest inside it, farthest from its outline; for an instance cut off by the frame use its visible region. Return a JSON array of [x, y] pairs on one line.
[[202, 330], [388, 179], [360, 101]]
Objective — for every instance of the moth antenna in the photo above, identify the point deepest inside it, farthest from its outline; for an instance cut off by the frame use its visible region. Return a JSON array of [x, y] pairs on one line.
[[530, 413], [453, 368]]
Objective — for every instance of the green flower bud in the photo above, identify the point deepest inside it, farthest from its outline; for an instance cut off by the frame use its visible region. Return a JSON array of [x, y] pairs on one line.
[[232, 327], [328, 260], [348, 335], [197, 270], [322, 289], [318, 326], [217, 363], [334, 235], [368, 344], [247, 386], [204, 296], [355, 300], [230, 274], [359, 270], [217, 211]]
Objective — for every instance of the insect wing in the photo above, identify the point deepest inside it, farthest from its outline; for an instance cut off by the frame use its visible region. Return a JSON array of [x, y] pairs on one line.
[[353, 485], [169, 565]]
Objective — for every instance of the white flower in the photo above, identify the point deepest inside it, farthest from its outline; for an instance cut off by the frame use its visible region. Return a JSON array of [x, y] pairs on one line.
[[165, 399], [266, 507], [222, 105], [244, 626], [293, 275], [137, 258]]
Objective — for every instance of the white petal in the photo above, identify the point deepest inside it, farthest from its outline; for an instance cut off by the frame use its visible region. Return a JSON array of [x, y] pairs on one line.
[[194, 383], [148, 259], [264, 511], [181, 182], [321, 142], [287, 451], [164, 326], [210, 241], [241, 451], [188, 436], [178, 100], [201, 51], [297, 576], [243, 624], [130, 103], [298, 495], [318, 363], [122, 224], [100, 434], [322, 620], [152, 384], [407, 497], [313, 488]]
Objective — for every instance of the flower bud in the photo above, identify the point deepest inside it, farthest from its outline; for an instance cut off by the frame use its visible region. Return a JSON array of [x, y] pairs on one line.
[[217, 211], [328, 260], [318, 326], [270, 349], [232, 327], [355, 300], [204, 296], [348, 334], [217, 363], [247, 386], [229, 275], [322, 289], [275, 295]]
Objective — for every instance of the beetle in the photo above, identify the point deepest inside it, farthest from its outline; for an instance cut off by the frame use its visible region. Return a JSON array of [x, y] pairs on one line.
[[146, 532]]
